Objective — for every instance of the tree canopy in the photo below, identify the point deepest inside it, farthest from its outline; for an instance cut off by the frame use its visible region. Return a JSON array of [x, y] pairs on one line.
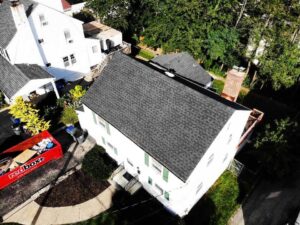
[[217, 32]]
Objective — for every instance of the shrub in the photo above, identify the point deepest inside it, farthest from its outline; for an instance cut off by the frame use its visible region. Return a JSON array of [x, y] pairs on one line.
[[69, 116], [29, 115], [97, 164]]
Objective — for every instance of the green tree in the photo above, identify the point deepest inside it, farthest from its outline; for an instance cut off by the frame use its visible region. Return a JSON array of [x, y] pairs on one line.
[[277, 143], [111, 12]]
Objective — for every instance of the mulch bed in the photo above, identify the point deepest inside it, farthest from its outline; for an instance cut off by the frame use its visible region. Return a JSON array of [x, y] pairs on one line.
[[76, 189]]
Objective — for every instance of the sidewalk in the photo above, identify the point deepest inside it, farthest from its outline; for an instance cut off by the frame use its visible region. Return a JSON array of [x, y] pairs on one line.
[[34, 214]]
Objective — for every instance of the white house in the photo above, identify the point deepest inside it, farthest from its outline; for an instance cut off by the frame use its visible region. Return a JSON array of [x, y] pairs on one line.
[[34, 33], [23, 80], [174, 138]]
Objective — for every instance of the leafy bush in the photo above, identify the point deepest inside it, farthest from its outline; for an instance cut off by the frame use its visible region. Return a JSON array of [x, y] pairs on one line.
[[224, 195], [146, 54], [69, 116], [29, 115], [98, 164], [218, 85]]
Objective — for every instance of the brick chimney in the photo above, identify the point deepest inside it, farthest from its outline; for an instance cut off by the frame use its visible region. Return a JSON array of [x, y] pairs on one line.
[[233, 84], [18, 12]]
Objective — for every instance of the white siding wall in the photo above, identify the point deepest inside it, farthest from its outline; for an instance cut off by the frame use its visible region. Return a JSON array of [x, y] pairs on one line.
[[25, 48], [41, 86], [182, 195]]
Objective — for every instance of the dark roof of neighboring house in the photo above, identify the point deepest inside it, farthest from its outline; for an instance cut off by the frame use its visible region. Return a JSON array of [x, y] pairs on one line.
[[185, 65], [172, 122], [7, 25], [14, 77]]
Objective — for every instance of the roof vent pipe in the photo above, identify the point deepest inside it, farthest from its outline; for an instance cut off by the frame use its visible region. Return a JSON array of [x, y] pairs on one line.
[[169, 74]]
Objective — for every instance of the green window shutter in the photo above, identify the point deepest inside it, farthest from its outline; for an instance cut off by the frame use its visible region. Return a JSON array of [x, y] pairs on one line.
[[165, 174], [150, 180], [146, 159], [107, 129], [167, 195], [94, 118]]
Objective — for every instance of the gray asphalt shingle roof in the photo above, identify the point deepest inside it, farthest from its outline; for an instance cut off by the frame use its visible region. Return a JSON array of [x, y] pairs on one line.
[[172, 122], [14, 77], [7, 24], [185, 65]]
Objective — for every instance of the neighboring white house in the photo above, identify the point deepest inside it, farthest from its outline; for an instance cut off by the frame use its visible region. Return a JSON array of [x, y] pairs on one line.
[[174, 138], [64, 6], [34, 33], [23, 80]]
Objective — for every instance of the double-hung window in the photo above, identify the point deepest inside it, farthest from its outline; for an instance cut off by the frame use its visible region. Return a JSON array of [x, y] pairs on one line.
[[156, 166], [68, 37], [66, 61], [43, 20]]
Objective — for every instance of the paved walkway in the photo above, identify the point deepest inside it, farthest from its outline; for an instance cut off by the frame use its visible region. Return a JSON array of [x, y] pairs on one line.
[[271, 203], [34, 214]]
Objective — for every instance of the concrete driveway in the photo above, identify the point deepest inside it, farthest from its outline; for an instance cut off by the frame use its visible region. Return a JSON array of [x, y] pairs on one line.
[[271, 203]]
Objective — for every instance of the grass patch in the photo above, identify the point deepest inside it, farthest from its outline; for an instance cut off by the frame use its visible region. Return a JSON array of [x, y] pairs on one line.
[[224, 195], [146, 54], [98, 164], [218, 85]]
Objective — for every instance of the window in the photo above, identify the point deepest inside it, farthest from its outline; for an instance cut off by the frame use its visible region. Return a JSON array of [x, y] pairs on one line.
[[66, 61], [101, 122], [150, 180], [107, 129], [146, 159], [165, 174], [167, 195], [94, 118], [226, 156], [199, 188], [129, 162], [95, 49], [43, 20], [159, 189], [68, 36], [103, 141], [156, 166], [210, 159], [73, 59], [112, 148], [229, 139]]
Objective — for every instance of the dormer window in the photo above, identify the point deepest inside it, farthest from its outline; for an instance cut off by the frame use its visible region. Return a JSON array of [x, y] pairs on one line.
[[43, 20], [68, 36]]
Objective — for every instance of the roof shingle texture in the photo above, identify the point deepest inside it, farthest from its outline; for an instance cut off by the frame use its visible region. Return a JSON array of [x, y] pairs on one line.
[[14, 77], [170, 121], [185, 65], [7, 25]]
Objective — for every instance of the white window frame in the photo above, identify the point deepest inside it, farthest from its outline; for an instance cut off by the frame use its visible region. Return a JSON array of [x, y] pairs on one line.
[[158, 168], [66, 61], [68, 36], [159, 189], [210, 159], [73, 59], [95, 49], [199, 187], [43, 20]]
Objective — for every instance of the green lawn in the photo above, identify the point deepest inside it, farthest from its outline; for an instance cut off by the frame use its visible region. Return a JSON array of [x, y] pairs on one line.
[[146, 54]]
